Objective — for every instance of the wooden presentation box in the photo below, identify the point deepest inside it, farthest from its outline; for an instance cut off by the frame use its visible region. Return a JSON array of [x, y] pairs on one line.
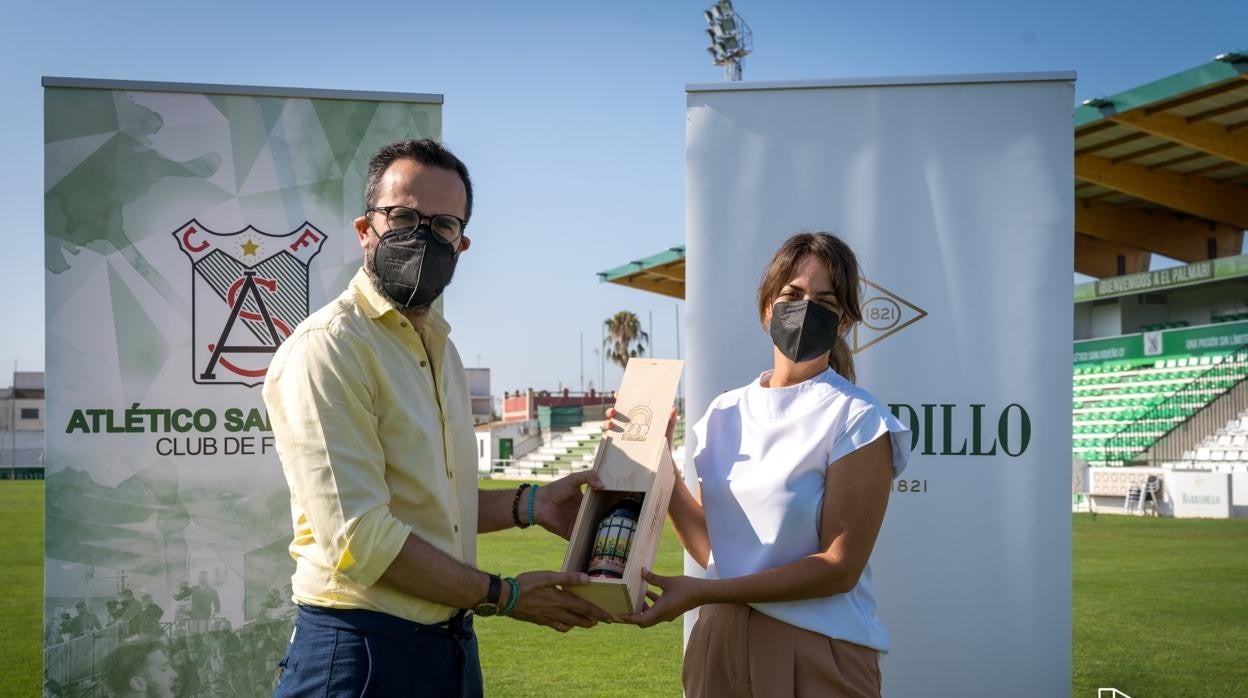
[[633, 460]]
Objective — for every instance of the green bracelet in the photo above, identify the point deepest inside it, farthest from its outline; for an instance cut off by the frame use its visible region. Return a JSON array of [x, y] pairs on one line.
[[512, 598], [532, 501]]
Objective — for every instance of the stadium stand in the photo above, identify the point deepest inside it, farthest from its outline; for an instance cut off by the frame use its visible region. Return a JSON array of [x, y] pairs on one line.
[[1120, 410], [567, 452], [570, 451], [1224, 451]]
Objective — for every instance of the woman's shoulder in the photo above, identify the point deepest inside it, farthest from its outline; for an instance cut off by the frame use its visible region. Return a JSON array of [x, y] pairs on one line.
[[730, 397], [857, 397], [727, 402]]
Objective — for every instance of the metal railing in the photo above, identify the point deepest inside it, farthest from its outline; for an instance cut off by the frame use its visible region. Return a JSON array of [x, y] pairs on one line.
[[83, 656], [1210, 395]]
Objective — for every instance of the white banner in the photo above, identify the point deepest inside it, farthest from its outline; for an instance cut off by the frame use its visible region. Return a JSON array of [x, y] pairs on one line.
[[955, 194], [1199, 495]]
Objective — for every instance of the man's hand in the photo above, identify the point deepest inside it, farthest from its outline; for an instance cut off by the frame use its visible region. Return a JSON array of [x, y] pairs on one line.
[[557, 504], [677, 595], [542, 602]]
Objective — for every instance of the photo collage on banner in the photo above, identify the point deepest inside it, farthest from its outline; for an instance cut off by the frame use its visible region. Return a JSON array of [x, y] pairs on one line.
[[188, 229]]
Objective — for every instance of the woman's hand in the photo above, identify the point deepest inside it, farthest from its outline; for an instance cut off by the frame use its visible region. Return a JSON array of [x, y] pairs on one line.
[[612, 416], [608, 423], [677, 595]]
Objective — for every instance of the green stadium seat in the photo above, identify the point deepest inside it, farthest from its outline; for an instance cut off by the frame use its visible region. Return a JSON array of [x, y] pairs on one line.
[[1111, 399]]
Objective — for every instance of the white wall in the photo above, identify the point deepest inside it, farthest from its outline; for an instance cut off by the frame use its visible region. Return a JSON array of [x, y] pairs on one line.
[[1239, 495], [525, 437], [479, 393], [1197, 494], [1083, 321], [1109, 487], [28, 424], [11, 414], [1106, 319]]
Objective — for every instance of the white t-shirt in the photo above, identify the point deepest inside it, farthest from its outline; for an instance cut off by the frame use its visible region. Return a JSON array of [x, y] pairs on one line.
[[762, 455]]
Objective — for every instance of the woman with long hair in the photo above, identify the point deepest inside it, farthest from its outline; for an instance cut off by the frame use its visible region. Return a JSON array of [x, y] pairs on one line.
[[795, 470]]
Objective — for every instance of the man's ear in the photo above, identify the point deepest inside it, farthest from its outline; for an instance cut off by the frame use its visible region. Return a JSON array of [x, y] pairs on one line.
[[464, 243], [361, 229], [138, 684]]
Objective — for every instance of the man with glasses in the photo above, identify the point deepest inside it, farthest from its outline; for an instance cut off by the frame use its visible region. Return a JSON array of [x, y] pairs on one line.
[[370, 410]]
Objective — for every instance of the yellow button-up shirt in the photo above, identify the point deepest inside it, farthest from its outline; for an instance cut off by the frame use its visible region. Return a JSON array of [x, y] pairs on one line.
[[373, 426]]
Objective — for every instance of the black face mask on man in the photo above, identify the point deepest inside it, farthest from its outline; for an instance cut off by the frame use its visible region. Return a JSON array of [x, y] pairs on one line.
[[413, 266], [803, 330]]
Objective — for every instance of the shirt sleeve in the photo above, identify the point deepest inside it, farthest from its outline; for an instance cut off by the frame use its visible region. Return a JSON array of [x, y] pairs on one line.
[[320, 406], [695, 437], [867, 425]]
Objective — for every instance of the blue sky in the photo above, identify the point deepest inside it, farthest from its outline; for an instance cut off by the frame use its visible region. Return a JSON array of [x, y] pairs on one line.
[[570, 115]]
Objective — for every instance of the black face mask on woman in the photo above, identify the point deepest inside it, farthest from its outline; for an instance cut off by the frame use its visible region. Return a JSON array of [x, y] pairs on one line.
[[413, 265], [803, 330]]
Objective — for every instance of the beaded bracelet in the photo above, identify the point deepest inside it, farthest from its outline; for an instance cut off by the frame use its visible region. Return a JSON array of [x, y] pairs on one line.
[[512, 598], [515, 507], [532, 502]]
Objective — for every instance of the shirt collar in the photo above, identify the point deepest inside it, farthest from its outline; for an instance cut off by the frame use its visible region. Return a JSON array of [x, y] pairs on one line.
[[377, 306]]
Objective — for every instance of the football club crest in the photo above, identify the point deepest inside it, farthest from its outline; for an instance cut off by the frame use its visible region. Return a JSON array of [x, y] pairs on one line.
[[249, 290]]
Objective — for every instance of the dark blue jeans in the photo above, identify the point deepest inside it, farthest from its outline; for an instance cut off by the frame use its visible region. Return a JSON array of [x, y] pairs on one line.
[[340, 653]]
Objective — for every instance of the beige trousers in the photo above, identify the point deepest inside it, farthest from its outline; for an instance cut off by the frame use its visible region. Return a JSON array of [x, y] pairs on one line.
[[737, 651]]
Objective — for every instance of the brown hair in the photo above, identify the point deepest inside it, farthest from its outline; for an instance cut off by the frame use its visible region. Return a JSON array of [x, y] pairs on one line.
[[126, 662], [842, 267]]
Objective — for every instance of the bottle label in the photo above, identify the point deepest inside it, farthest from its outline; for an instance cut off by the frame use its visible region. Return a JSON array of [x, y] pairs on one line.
[[611, 546]]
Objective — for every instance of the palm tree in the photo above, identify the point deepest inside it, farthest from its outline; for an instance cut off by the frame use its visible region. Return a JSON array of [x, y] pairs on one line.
[[624, 338]]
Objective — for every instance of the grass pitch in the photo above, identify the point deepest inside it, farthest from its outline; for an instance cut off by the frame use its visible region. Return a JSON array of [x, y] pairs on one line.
[[521, 659], [1161, 606], [21, 607], [1161, 609]]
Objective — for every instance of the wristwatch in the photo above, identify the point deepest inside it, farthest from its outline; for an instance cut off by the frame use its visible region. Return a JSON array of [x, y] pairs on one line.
[[490, 607]]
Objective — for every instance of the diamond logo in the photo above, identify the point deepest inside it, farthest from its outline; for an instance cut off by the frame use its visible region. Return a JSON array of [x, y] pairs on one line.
[[884, 313]]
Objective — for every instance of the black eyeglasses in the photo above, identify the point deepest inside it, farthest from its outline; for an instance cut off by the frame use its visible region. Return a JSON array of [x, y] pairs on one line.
[[444, 225]]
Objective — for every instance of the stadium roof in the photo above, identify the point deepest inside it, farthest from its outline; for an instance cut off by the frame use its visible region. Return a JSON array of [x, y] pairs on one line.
[[661, 273], [1161, 168]]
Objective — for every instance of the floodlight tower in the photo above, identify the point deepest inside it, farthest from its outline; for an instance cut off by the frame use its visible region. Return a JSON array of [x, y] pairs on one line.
[[731, 39]]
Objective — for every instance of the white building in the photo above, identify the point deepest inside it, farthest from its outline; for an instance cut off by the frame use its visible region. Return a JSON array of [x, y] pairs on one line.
[[22, 426], [479, 392], [21, 407], [499, 443]]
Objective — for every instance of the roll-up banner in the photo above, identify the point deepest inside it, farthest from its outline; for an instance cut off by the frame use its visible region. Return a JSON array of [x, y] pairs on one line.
[[955, 194], [188, 229]]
